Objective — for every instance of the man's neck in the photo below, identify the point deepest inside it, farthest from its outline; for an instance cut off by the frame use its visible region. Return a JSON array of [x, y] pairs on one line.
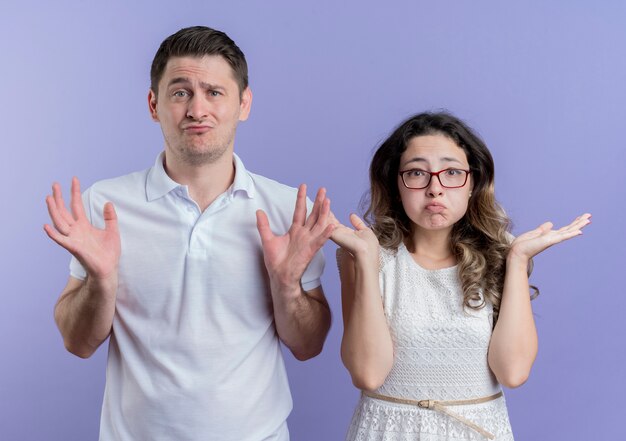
[[205, 181]]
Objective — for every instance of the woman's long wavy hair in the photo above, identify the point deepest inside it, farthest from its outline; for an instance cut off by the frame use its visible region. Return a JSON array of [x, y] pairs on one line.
[[480, 240]]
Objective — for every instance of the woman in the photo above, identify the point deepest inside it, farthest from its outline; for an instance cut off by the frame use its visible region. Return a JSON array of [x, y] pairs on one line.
[[436, 300]]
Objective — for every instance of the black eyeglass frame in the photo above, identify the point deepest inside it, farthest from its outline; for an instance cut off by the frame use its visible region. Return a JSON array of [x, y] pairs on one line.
[[430, 177]]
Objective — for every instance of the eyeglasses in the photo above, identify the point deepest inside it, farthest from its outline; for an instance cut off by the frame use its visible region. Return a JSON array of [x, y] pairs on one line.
[[417, 179]]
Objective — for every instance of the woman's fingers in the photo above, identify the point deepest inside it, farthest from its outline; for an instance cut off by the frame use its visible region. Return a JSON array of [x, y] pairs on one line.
[[357, 222]]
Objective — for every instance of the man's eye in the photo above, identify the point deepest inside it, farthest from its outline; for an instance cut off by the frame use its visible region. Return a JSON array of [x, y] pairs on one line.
[[214, 93], [180, 93]]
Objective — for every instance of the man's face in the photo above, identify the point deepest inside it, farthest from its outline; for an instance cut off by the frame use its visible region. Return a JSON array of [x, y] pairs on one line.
[[198, 107]]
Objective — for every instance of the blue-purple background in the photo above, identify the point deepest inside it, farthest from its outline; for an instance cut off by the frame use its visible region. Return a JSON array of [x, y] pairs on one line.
[[542, 82]]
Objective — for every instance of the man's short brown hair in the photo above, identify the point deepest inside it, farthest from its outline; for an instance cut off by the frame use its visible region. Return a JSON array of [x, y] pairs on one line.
[[198, 41]]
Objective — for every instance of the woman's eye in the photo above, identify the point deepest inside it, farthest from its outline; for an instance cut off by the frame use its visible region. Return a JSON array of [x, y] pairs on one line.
[[453, 172], [416, 173]]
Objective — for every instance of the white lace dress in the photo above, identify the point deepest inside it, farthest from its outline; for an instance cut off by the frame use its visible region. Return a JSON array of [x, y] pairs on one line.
[[440, 352]]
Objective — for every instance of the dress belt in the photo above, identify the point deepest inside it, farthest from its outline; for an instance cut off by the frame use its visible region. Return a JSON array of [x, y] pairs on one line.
[[441, 406]]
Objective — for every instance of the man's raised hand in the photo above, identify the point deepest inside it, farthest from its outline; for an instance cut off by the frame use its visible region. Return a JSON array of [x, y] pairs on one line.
[[97, 250], [287, 256]]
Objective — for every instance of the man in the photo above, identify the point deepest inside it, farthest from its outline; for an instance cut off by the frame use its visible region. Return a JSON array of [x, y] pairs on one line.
[[193, 294]]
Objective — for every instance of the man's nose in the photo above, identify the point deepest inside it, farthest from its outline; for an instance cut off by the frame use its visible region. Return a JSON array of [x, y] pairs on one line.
[[198, 107]]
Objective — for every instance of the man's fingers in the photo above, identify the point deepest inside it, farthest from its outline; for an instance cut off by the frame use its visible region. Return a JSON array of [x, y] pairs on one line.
[[60, 204], [263, 225], [299, 212], [57, 219], [316, 242], [58, 237], [323, 217], [76, 202], [325, 212], [110, 217], [332, 218], [320, 197], [322, 238], [328, 231]]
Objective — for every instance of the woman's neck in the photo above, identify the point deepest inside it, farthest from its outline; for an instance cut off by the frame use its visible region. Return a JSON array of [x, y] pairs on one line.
[[431, 249]]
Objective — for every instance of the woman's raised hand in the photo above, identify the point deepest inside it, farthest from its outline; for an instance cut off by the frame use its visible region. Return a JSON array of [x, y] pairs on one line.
[[359, 241], [535, 241]]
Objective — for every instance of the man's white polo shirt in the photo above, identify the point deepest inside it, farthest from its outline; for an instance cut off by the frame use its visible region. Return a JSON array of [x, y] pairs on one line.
[[194, 353]]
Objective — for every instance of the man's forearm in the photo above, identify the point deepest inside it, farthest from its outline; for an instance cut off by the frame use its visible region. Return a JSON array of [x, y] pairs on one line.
[[302, 319], [84, 314]]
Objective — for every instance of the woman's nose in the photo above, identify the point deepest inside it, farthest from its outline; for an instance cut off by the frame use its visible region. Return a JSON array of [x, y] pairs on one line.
[[434, 186]]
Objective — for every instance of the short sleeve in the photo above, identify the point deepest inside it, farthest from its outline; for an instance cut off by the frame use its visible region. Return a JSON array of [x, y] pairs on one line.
[[76, 269], [312, 275]]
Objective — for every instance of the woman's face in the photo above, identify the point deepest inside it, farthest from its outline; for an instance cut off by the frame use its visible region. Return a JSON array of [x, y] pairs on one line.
[[434, 207]]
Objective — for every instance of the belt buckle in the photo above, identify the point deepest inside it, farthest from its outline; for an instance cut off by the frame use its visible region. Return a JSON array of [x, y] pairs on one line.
[[424, 404]]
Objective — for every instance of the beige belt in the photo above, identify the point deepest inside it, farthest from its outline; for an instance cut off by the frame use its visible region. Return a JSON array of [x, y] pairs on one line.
[[441, 406]]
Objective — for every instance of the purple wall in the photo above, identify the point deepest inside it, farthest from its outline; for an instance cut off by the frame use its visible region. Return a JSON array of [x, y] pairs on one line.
[[543, 83]]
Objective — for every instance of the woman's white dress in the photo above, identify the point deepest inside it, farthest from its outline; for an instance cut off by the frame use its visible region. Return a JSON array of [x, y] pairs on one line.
[[440, 353]]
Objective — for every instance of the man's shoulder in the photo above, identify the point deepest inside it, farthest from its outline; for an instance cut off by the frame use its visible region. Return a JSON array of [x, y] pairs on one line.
[[272, 191], [267, 186], [121, 186]]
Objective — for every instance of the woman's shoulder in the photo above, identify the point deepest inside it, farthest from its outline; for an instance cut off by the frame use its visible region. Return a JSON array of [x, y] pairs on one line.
[[386, 255]]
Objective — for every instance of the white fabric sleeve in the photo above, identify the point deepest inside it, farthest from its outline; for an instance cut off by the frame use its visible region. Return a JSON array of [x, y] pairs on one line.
[[312, 275]]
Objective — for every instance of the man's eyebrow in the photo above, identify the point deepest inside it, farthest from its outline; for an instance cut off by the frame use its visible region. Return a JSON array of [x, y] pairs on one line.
[[210, 86], [186, 81], [178, 80]]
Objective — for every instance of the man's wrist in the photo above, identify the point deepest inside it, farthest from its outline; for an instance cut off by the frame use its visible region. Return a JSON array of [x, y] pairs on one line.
[[286, 288], [106, 285]]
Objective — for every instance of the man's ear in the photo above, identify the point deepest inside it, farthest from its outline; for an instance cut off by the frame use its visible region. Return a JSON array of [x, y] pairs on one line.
[[152, 106], [245, 104]]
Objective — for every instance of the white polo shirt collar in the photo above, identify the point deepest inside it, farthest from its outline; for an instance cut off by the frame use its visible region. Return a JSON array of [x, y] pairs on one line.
[[158, 183]]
